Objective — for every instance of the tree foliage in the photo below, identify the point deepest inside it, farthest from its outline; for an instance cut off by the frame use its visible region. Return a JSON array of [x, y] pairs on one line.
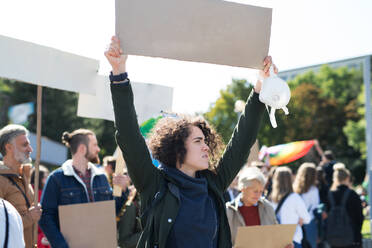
[[59, 110], [355, 131], [324, 105], [222, 115]]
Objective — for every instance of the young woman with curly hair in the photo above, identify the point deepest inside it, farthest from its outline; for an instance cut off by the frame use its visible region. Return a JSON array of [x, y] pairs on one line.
[[182, 201], [167, 140]]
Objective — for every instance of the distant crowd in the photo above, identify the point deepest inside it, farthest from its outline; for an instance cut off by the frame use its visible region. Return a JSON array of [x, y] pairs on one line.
[[314, 199]]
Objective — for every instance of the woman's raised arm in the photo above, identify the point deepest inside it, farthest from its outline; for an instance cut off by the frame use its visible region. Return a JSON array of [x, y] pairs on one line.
[[128, 135]]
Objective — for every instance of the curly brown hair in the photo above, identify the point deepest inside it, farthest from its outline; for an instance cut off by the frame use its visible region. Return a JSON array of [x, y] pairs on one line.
[[167, 139]]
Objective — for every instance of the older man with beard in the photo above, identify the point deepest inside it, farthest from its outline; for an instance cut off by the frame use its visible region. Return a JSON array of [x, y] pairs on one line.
[[77, 181], [15, 148]]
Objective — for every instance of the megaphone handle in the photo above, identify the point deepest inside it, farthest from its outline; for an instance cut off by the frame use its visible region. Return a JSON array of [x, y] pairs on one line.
[[285, 109], [272, 118]]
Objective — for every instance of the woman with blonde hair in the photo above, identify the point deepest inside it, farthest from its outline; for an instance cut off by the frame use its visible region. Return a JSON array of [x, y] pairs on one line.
[[305, 185], [249, 208], [353, 205], [289, 206]]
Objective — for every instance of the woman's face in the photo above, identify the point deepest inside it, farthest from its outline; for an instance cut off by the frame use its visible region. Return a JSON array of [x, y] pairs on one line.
[[251, 194], [196, 157]]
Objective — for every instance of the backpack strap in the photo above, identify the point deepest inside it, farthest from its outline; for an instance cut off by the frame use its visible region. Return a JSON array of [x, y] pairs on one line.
[[9, 176], [148, 213], [345, 197], [157, 197], [281, 203], [343, 200], [331, 199], [6, 226]]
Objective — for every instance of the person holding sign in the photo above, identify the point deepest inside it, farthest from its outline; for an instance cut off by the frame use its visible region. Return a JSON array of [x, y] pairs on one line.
[[250, 208], [181, 200], [14, 179], [78, 180]]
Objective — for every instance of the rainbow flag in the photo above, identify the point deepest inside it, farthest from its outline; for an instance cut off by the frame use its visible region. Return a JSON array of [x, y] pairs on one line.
[[286, 153]]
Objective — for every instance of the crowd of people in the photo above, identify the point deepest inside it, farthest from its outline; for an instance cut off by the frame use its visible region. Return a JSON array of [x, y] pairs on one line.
[[194, 198], [285, 198]]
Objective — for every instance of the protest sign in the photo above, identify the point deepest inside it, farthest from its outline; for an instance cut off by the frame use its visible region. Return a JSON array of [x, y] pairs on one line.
[[90, 225], [209, 31], [268, 236], [149, 100], [35, 64]]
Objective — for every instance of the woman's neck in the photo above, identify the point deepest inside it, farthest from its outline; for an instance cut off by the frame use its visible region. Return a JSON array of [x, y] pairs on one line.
[[186, 169], [245, 201], [189, 172]]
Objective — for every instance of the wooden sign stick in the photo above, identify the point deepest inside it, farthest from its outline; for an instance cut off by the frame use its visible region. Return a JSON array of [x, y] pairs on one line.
[[119, 170]]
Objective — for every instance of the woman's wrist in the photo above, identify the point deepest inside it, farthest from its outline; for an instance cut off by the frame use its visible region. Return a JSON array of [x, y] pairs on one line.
[[257, 87], [119, 70], [119, 78]]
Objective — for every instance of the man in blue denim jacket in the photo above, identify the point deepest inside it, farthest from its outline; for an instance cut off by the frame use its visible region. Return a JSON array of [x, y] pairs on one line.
[[77, 181]]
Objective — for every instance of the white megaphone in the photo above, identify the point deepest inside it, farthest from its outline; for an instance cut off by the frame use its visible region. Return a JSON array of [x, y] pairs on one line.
[[276, 94]]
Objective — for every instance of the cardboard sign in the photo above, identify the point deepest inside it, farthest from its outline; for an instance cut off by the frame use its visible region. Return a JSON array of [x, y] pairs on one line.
[[149, 100], [90, 225], [45, 66], [271, 236], [253, 155], [209, 31], [119, 170]]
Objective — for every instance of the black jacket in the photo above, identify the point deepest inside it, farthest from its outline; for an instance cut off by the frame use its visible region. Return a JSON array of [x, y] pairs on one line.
[[148, 179], [353, 208]]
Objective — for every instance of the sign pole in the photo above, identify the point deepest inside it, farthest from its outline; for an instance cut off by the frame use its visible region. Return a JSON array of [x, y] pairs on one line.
[[38, 153]]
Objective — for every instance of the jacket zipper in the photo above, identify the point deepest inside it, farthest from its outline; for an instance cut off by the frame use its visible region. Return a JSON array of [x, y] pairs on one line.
[[83, 184]]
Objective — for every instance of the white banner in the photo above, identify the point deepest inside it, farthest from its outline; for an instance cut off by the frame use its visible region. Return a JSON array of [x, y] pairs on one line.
[[45, 66], [149, 100]]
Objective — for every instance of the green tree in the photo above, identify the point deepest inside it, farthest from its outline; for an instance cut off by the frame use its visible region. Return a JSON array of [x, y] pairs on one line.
[[59, 110], [355, 131], [221, 114], [341, 84], [321, 105], [5, 92]]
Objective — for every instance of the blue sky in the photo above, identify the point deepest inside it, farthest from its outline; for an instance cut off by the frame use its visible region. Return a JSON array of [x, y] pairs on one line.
[[303, 33]]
